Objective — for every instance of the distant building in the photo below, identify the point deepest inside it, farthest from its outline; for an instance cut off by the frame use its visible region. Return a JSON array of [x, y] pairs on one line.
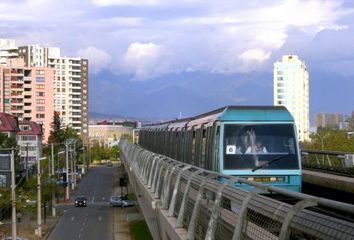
[[108, 134], [27, 93], [70, 80], [291, 89], [29, 138], [8, 50], [328, 120]]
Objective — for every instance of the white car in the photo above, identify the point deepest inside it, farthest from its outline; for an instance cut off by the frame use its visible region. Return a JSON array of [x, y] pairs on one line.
[[118, 201]]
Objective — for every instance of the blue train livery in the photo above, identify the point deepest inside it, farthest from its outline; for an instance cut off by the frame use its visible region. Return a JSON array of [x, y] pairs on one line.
[[258, 143]]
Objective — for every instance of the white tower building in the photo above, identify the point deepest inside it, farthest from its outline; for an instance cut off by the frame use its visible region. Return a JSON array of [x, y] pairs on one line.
[[291, 89], [8, 50]]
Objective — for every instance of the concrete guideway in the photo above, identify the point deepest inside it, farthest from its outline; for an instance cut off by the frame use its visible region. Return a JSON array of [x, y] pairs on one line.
[[180, 201], [336, 182]]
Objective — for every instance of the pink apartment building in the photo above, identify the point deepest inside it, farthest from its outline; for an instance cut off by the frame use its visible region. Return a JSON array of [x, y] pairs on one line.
[[28, 93]]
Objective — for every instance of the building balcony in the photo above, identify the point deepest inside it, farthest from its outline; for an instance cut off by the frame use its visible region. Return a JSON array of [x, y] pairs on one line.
[[16, 103], [16, 96], [17, 111]]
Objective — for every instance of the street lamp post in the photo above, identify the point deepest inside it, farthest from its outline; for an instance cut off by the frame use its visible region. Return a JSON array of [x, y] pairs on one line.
[[322, 144], [67, 144], [13, 194], [67, 171], [39, 201], [52, 174]]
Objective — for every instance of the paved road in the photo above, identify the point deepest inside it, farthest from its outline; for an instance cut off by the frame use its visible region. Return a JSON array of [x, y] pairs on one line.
[[96, 220]]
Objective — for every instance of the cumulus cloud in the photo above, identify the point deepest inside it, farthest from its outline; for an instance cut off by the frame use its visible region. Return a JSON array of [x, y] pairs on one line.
[[252, 58], [144, 60], [149, 38], [98, 58]]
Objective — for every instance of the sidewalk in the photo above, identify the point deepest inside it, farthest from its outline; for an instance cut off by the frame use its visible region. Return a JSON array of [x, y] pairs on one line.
[[26, 228], [122, 216]]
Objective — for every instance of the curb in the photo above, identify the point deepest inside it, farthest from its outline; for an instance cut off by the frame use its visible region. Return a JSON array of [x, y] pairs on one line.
[[52, 227]]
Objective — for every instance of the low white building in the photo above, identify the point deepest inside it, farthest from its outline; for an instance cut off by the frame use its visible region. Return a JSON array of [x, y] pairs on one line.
[[29, 138]]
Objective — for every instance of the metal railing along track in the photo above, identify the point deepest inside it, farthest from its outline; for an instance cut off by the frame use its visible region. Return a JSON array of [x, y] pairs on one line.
[[207, 205]]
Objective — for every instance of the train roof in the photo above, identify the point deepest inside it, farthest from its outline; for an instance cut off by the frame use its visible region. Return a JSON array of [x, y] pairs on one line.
[[232, 113]]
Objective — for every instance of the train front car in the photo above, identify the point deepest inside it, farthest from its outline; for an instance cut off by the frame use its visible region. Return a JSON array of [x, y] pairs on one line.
[[260, 144]]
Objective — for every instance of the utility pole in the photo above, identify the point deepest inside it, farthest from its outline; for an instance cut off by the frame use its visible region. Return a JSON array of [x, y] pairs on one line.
[[72, 171], [51, 177], [74, 160], [39, 200], [13, 195], [89, 152], [27, 161], [84, 159], [67, 170]]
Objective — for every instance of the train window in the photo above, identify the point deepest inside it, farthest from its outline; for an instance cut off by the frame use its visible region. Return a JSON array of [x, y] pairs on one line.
[[248, 146]]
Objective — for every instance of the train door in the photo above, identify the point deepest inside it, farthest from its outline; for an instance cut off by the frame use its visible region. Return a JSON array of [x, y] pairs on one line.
[[216, 150], [209, 146], [189, 149]]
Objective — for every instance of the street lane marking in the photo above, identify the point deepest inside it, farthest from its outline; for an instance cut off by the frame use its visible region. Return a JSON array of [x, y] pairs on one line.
[[72, 218], [103, 198], [99, 218], [82, 229], [79, 235], [93, 199]]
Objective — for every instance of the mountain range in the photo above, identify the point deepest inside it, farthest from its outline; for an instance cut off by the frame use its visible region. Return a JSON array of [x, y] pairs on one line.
[[190, 93]]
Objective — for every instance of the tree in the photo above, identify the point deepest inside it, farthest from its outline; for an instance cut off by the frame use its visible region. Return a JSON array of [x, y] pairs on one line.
[[333, 140], [7, 142], [70, 133], [129, 137], [57, 134], [115, 152]]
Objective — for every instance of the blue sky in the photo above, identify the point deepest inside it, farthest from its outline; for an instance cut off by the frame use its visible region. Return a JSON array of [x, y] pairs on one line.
[[150, 39]]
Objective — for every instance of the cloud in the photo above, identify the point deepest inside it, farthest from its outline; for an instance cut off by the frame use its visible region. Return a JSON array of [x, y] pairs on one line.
[[149, 38], [144, 60], [98, 58], [252, 58], [140, 2]]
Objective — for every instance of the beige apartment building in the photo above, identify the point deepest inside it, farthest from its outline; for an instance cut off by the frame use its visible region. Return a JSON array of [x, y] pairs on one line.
[[291, 89], [70, 84], [27, 93]]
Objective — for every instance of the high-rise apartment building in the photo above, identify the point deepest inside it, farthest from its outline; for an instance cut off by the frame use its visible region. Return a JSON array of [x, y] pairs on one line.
[[8, 50], [291, 89], [70, 84], [27, 93], [71, 91]]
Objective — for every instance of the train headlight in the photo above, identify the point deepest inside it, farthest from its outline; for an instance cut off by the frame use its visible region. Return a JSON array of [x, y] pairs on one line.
[[280, 179]]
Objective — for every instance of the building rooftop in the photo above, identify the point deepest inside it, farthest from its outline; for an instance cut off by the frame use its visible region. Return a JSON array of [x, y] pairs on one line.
[[8, 123], [30, 128]]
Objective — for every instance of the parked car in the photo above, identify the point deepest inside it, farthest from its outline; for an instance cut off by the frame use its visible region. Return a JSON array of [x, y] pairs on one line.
[[118, 201], [63, 183], [115, 201], [80, 201]]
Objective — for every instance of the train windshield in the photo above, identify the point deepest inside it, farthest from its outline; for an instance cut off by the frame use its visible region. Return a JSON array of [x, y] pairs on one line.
[[271, 146]]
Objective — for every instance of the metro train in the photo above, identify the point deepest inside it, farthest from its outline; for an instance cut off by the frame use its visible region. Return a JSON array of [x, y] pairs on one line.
[[258, 143]]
